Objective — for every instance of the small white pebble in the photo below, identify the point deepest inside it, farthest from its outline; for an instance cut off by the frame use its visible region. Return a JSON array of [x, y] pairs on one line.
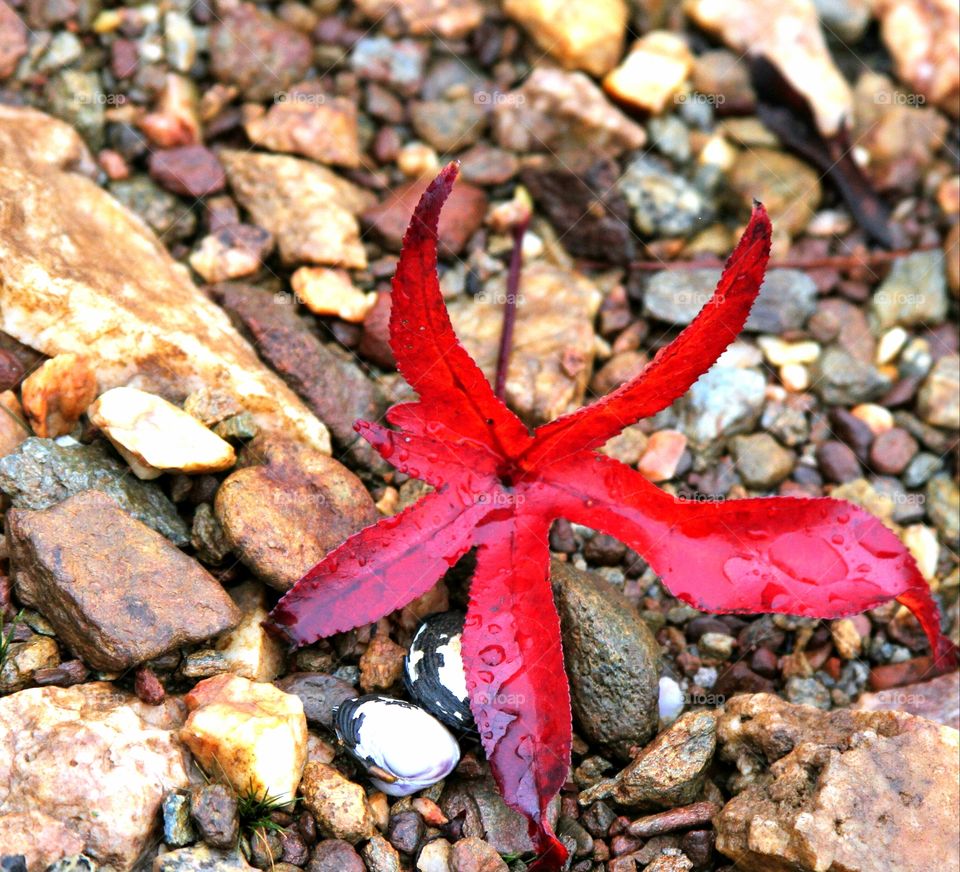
[[706, 676], [671, 700], [890, 344], [795, 377]]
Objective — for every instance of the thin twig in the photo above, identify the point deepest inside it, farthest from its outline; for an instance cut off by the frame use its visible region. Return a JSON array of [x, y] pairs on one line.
[[834, 261], [510, 307]]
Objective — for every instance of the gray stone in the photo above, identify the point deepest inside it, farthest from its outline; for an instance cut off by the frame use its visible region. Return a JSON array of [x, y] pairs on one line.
[[914, 293], [921, 468], [787, 298], [612, 661], [380, 856], [664, 203], [77, 98], [943, 507], [164, 212], [319, 693], [178, 829], [42, 473], [723, 402], [839, 379], [807, 691], [75, 863], [762, 462]]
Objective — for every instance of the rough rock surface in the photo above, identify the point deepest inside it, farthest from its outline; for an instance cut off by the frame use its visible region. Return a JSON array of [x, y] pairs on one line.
[[339, 806], [936, 700], [80, 273], [96, 759], [308, 208], [253, 734], [553, 338], [612, 661], [113, 589], [40, 838], [42, 473], [846, 791], [283, 517], [668, 772], [334, 387]]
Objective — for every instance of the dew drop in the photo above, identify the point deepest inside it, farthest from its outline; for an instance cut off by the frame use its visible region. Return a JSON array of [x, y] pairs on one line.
[[492, 655]]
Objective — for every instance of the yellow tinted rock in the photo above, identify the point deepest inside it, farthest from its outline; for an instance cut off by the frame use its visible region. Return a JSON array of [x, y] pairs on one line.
[[330, 292], [157, 434], [252, 734], [652, 73], [580, 36]]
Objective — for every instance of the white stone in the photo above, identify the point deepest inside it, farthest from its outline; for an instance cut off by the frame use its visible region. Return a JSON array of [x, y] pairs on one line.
[[330, 292], [780, 353], [877, 418], [921, 542], [157, 434], [890, 345], [795, 377], [671, 700]]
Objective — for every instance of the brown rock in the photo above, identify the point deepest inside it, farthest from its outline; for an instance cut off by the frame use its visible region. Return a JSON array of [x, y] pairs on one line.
[[259, 54], [64, 750], [846, 790], [668, 772], [938, 401], [381, 665], [951, 253], [62, 557], [620, 368], [664, 450], [306, 121], [13, 428], [563, 113], [58, 393], [333, 386], [837, 462], [40, 838], [462, 214], [578, 37], [788, 34], [789, 188], [191, 170], [338, 805], [922, 37], [308, 208], [475, 855], [892, 451], [13, 40], [685, 818], [163, 333], [583, 204], [283, 517], [936, 700], [449, 19], [553, 338]]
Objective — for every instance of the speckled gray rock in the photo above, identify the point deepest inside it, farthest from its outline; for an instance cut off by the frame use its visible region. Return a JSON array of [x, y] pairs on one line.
[[762, 462], [787, 298], [841, 380], [75, 863], [663, 203], [612, 661], [42, 472], [723, 402], [914, 292]]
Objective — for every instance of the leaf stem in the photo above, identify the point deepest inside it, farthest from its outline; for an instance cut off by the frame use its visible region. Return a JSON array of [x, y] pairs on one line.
[[510, 307]]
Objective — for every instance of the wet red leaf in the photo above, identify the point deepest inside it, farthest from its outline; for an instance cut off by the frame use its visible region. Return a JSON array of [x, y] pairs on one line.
[[499, 487]]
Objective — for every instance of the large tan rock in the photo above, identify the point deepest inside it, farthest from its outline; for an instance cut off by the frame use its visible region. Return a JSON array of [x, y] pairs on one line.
[[81, 273], [93, 758], [653, 71], [309, 209], [553, 342], [250, 733], [40, 838], [116, 592], [786, 32], [840, 791], [338, 804], [580, 36]]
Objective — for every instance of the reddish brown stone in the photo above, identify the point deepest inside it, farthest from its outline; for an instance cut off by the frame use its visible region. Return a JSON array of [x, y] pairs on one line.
[[13, 40], [684, 818], [462, 214], [191, 170]]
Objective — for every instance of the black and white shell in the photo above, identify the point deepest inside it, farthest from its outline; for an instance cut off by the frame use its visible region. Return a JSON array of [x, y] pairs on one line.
[[433, 670], [403, 748]]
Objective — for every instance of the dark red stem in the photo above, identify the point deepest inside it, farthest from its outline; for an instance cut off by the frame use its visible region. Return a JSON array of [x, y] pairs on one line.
[[510, 308]]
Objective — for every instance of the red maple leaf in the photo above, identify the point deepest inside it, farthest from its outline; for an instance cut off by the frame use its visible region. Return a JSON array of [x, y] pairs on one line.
[[498, 487]]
